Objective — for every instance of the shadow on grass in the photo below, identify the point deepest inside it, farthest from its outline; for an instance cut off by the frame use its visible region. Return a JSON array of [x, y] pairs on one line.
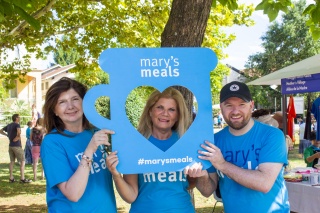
[[13, 189], [218, 209], [23, 209]]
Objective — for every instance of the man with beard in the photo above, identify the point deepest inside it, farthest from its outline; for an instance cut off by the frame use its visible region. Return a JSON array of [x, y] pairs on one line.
[[248, 158]]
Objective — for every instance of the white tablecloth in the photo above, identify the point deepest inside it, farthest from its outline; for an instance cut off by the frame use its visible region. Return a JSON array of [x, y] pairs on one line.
[[304, 198]]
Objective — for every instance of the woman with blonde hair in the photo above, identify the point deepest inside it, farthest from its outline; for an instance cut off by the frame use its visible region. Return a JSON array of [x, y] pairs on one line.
[[164, 120]]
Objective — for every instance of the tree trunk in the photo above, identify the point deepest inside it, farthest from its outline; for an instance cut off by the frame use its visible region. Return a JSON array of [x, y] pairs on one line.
[[187, 23], [186, 28]]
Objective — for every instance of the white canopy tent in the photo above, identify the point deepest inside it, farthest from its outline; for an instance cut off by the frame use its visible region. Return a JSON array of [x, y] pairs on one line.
[[305, 67]]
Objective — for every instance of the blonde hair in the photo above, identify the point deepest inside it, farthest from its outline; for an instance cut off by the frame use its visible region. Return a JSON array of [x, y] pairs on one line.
[[183, 122]]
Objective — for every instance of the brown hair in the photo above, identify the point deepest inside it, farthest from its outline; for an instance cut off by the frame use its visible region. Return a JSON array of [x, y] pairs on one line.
[[51, 121], [14, 117], [260, 112], [181, 126]]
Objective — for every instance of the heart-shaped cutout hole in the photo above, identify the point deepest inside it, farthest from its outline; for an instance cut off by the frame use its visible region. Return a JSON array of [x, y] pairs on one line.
[[163, 116]]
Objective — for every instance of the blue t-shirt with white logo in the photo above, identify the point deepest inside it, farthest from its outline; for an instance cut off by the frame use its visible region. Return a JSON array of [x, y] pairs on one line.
[[164, 191], [60, 156], [262, 144]]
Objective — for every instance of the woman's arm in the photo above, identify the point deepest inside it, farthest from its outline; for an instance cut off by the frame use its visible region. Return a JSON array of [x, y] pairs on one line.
[[127, 185], [74, 188], [192, 182]]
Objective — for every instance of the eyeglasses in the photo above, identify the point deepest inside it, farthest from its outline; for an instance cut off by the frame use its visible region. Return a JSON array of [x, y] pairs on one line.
[[104, 151]]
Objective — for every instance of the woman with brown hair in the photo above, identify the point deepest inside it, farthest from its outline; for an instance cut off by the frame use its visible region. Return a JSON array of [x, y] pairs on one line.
[[76, 173]]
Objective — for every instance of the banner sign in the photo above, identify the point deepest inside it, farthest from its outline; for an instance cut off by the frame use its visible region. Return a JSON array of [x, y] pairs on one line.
[[301, 84], [160, 68]]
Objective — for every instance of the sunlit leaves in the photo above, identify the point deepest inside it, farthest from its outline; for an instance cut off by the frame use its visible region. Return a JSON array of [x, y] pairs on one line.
[[272, 7], [19, 7], [313, 12]]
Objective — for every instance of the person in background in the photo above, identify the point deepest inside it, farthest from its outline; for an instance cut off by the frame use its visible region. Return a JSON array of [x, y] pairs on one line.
[[164, 120], [248, 158], [263, 116], [13, 132], [36, 136], [313, 124], [77, 179], [302, 127], [279, 117], [34, 115], [28, 146], [312, 153], [220, 120], [215, 121]]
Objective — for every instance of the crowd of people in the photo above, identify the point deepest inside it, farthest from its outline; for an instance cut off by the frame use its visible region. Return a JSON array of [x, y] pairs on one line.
[[80, 173]]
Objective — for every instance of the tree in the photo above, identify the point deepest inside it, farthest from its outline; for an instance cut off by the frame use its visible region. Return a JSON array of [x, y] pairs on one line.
[[285, 43], [65, 56], [92, 26], [95, 25]]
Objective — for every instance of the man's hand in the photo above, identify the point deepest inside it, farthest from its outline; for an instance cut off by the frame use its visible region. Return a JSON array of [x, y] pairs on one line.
[[16, 139]]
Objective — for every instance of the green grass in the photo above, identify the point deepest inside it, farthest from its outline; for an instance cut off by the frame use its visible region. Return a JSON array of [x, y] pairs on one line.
[[25, 198]]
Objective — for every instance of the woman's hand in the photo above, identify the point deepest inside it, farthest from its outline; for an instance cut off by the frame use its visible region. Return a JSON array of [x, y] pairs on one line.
[[112, 162], [99, 138], [195, 170]]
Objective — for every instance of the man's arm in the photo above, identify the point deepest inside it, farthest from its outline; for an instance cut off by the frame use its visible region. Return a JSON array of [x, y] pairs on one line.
[[207, 184], [17, 138], [3, 133], [261, 179]]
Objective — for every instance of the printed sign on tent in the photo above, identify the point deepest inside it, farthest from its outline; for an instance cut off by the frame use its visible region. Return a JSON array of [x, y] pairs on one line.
[[300, 84], [160, 68]]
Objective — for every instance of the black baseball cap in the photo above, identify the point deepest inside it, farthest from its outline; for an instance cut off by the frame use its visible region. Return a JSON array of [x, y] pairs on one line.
[[235, 89]]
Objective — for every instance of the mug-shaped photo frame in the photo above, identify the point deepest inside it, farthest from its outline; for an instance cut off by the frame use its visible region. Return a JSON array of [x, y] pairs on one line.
[[160, 68]]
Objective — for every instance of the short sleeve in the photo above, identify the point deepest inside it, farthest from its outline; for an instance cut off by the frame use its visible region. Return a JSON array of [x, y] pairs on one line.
[[55, 162], [274, 148]]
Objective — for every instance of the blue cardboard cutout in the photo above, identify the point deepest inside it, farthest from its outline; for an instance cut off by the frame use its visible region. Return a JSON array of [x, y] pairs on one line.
[[160, 68]]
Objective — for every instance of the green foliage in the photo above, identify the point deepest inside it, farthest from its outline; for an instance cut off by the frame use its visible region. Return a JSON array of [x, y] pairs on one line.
[[17, 69], [272, 8], [91, 76], [65, 56], [93, 26], [313, 12], [18, 7], [103, 106], [284, 43], [19, 106], [3, 94], [135, 103]]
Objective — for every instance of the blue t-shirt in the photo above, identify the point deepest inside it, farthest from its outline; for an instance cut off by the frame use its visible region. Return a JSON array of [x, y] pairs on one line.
[[60, 156], [164, 145], [28, 132], [262, 144], [163, 192]]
